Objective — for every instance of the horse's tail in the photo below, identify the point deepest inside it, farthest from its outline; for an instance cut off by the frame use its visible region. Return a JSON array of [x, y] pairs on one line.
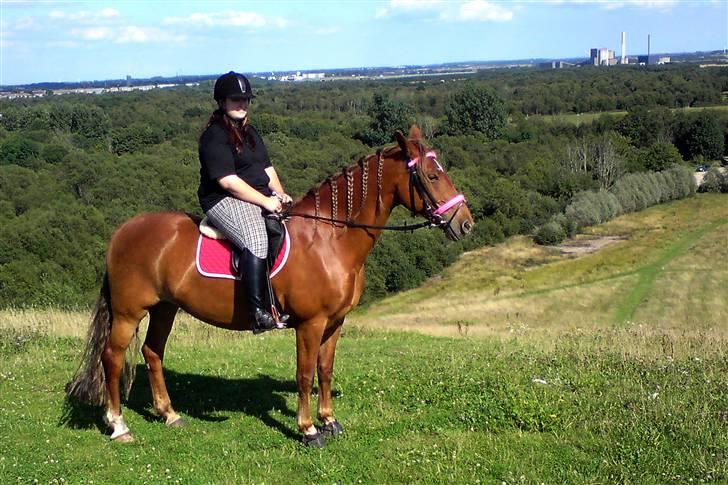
[[89, 383]]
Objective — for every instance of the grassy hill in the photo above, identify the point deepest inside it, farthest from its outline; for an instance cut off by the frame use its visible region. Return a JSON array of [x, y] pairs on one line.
[[663, 270], [609, 367]]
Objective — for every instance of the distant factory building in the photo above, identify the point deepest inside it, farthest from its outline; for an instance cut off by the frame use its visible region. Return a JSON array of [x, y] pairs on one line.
[[555, 65], [653, 59], [602, 57]]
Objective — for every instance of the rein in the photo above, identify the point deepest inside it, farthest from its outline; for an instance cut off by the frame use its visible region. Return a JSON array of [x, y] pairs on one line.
[[405, 227], [433, 215]]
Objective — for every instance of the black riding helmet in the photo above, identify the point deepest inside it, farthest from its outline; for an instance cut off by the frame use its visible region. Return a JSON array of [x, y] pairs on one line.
[[232, 85]]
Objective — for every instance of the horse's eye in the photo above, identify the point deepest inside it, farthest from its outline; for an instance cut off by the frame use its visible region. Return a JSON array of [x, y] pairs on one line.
[[432, 176]]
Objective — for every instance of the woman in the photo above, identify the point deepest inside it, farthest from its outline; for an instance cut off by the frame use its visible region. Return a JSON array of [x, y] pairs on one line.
[[238, 183]]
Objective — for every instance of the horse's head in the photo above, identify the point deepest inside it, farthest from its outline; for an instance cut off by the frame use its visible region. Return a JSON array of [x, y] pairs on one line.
[[428, 190]]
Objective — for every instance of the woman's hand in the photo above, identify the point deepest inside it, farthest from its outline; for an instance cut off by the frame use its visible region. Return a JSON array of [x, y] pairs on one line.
[[272, 204], [284, 198]]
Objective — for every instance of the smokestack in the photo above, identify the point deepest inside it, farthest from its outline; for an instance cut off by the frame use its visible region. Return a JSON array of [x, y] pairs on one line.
[[624, 48], [648, 46]]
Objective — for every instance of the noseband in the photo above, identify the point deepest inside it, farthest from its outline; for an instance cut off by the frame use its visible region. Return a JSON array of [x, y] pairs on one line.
[[433, 211]]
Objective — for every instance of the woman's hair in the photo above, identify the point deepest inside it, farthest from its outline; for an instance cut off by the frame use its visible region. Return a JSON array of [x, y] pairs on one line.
[[237, 131]]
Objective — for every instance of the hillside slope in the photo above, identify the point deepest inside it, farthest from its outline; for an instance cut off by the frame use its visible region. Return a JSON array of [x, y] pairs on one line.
[[664, 267]]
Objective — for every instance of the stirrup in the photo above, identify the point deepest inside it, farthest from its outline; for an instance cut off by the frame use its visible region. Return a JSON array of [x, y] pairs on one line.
[[263, 321]]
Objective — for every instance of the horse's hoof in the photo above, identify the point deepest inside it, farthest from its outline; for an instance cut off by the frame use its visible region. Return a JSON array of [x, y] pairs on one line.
[[124, 438], [314, 440], [177, 423], [332, 428]]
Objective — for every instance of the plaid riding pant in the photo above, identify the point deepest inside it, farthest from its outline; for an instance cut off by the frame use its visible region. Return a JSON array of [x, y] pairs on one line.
[[242, 223]]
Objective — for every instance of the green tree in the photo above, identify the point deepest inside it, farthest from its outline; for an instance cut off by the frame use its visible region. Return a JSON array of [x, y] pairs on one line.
[[476, 109], [660, 156], [387, 116], [19, 151], [701, 136]]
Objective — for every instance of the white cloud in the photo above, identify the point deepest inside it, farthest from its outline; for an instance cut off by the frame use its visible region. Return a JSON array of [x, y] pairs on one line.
[[616, 4], [84, 16], [480, 10], [470, 10], [129, 34], [228, 18], [649, 4], [410, 7]]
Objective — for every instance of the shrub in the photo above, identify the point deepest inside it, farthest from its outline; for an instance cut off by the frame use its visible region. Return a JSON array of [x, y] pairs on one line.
[[550, 233], [713, 181], [570, 226], [588, 208]]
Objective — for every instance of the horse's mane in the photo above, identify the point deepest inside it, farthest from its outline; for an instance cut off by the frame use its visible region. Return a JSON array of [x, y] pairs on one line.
[[347, 173]]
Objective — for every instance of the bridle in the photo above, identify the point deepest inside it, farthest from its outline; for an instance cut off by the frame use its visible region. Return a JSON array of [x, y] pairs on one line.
[[433, 211]]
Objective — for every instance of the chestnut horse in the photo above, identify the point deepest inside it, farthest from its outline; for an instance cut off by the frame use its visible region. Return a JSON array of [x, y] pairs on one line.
[[150, 268]]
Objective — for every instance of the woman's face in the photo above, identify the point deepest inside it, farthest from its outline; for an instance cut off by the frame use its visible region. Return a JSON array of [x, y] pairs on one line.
[[236, 108]]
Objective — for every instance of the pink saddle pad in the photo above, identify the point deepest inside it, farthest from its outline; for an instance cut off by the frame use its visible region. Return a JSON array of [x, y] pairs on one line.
[[214, 258]]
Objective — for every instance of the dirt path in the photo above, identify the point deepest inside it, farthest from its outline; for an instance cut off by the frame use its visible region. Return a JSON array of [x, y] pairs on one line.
[[587, 244]]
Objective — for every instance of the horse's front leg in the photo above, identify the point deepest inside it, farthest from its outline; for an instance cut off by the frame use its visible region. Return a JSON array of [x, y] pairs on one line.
[[326, 357], [308, 343]]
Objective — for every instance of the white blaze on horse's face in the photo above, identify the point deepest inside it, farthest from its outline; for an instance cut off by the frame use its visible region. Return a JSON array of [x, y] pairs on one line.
[[449, 204]]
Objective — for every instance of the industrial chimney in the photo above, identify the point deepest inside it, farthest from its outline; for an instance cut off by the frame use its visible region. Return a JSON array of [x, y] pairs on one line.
[[648, 47], [624, 48]]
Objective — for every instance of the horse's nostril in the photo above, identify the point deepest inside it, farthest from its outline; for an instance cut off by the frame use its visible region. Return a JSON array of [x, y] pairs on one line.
[[466, 227]]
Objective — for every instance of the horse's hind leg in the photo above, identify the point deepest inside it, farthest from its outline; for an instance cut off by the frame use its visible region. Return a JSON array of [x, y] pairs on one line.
[[123, 328], [161, 318]]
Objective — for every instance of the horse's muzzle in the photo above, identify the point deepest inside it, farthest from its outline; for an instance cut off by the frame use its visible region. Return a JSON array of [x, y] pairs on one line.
[[466, 227]]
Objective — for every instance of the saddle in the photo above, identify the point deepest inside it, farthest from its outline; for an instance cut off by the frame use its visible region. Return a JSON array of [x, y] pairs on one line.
[[276, 237], [218, 258]]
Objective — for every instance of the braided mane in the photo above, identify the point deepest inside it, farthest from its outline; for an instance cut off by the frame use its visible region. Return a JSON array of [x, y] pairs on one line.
[[348, 174]]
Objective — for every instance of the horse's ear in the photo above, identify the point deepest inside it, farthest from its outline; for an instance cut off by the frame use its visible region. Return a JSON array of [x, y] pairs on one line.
[[404, 144], [415, 133]]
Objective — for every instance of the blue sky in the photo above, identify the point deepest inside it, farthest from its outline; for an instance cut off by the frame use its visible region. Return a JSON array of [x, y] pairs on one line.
[[82, 40]]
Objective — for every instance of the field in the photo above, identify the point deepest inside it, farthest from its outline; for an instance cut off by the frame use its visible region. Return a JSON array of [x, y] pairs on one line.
[[541, 367], [586, 118]]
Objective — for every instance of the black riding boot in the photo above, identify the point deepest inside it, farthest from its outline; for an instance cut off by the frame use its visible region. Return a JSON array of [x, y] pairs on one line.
[[254, 272]]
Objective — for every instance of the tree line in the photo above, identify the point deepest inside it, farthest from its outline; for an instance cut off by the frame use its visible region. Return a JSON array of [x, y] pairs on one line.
[[74, 167]]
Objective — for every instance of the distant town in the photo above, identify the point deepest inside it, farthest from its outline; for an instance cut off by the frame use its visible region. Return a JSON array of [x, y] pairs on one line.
[[598, 56]]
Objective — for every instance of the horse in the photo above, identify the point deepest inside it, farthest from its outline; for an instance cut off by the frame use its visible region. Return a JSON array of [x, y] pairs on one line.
[[150, 269]]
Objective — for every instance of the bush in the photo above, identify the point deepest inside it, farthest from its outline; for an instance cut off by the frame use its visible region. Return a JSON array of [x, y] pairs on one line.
[[550, 233], [570, 225], [588, 208], [714, 181]]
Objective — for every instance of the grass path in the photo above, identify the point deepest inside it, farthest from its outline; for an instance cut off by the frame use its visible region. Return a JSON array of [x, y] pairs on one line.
[[648, 273]]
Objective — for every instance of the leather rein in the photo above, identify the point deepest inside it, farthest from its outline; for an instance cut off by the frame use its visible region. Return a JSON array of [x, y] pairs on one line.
[[433, 213]]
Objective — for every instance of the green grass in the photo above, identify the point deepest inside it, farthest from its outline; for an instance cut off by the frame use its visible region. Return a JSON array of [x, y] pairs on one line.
[[585, 118], [415, 408], [650, 272]]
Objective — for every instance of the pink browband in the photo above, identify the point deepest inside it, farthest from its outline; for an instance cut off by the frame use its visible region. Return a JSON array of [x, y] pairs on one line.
[[458, 199], [414, 161]]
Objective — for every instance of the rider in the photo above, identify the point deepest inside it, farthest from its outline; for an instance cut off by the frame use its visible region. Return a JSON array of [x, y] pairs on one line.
[[238, 185]]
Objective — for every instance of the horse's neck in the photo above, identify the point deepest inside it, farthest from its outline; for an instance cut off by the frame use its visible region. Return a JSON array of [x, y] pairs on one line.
[[370, 203]]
